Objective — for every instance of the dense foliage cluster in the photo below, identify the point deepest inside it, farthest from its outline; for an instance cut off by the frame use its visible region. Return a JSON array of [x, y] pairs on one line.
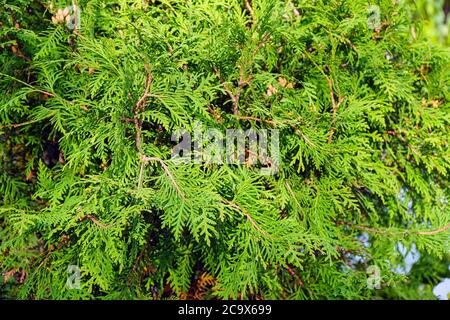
[[87, 100]]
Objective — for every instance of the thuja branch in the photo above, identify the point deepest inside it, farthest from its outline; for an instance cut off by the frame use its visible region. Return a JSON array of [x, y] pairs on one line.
[[288, 187], [22, 124]]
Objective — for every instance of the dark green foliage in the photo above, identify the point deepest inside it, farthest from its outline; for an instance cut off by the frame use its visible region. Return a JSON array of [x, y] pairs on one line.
[[364, 128]]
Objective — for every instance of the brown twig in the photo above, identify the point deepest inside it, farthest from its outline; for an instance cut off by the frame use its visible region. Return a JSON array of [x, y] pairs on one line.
[[228, 91], [250, 10], [264, 160], [63, 240], [402, 139], [434, 232], [18, 53], [92, 218], [387, 232], [215, 114], [166, 170], [261, 44], [256, 119], [138, 259], [44, 92], [246, 214], [128, 119], [16, 125], [140, 108], [50, 250], [333, 100], [296, 276], [243, 80], [335, 108]]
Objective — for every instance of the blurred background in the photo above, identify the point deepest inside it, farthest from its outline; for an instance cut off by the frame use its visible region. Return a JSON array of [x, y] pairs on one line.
[[435, 13]]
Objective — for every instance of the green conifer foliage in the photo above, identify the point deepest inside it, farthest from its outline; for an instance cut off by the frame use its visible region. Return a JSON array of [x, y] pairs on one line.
[[89, 104]]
